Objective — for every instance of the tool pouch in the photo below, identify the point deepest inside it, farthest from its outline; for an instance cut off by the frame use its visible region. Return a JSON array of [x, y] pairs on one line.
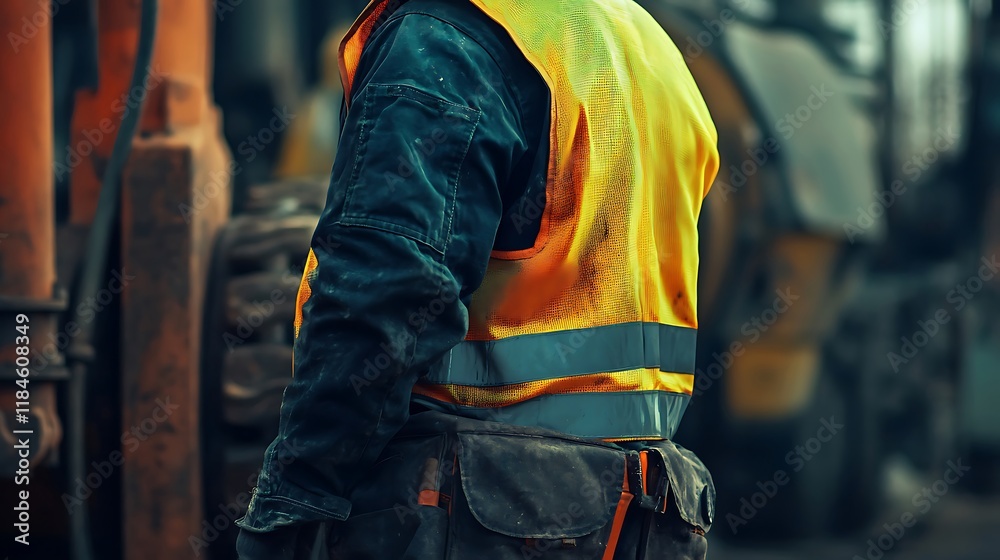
[[682, 503], [455, 488]]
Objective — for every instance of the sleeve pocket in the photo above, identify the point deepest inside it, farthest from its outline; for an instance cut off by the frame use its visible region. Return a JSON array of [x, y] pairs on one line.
[[409, 153]]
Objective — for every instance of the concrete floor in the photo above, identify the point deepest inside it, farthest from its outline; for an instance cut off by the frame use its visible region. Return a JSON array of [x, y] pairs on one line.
[[961, 527]]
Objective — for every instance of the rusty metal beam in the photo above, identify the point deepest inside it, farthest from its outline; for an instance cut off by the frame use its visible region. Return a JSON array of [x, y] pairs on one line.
[[161, 338], [175, 198]]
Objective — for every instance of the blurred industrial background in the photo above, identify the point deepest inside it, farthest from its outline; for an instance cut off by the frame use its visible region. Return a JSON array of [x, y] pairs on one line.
[[848, 392]]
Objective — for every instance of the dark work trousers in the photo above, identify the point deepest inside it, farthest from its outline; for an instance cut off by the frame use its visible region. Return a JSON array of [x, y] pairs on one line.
[[460, 489]]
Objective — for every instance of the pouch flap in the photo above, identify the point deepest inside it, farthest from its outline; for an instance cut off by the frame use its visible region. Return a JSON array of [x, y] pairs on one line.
[[540, 488], [691, 484]]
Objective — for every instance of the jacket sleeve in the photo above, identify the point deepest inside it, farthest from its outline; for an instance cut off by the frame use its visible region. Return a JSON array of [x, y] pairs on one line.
[[429, 140]]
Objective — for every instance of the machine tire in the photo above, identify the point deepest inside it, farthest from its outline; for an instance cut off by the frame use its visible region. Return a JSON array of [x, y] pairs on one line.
[[246, 357], [758, 451]]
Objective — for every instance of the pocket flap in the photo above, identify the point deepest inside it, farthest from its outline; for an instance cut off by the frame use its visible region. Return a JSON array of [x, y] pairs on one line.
[[691, 484], [540, 488]]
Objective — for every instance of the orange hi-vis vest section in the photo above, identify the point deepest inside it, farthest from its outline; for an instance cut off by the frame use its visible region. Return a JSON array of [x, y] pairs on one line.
[[592, 331]]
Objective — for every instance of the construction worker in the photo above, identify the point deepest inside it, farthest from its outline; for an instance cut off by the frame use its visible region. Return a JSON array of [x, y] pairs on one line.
[[496, 325]]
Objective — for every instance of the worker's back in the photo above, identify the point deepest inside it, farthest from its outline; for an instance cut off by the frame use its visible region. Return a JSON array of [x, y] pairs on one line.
[[599, 314], [526, 176]]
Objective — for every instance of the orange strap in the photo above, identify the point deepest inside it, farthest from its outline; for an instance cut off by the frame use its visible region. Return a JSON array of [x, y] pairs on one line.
[[644, 463], [429, 498], [616, 526], [430, 486]]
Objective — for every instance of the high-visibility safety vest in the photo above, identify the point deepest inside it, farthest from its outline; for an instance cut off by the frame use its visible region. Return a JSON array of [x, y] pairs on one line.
[[591, 331]]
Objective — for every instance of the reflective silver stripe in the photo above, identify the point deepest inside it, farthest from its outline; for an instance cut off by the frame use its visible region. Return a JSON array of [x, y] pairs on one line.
[[634, 415], [534, 357]]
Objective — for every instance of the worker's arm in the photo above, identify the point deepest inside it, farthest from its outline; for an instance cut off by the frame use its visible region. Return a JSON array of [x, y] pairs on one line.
[[415, 201]]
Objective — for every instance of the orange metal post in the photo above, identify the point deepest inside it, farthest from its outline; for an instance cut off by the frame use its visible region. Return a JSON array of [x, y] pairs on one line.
[[98, 114], [27, 228]]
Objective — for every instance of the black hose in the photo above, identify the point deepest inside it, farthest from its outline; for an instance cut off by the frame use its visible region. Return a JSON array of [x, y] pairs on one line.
[[80, 352]]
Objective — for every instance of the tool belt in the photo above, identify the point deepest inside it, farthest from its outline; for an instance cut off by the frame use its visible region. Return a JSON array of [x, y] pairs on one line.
[[455, 488]]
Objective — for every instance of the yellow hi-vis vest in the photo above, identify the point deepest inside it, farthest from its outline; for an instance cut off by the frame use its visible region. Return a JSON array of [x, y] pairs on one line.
[[591, 331]]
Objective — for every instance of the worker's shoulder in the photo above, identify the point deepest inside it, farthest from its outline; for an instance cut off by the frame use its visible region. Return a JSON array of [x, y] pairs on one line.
[[468, 20], [456, 13]]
